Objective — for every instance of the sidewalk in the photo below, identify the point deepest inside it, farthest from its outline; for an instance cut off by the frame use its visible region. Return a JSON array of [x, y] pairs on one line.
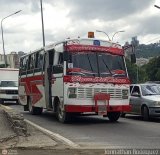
[[7, 135], [33, 141]]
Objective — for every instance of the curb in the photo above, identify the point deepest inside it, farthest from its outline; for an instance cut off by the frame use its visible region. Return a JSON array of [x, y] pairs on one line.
[[54, 135], [19, 125], [16, 120]]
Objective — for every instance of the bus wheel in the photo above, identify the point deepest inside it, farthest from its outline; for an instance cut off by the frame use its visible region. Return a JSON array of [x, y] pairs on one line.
[[62, 116], [34, 110], [113, 116], [123, 114]]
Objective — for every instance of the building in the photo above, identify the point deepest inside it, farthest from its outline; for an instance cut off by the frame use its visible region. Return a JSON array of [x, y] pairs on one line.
[[12, 59], [141, 61]]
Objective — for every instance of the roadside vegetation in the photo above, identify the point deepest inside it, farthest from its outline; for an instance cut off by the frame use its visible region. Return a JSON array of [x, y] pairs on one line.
[[147, 72]]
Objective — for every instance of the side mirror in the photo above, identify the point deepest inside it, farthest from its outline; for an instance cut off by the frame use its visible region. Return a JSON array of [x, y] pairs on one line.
[[57, 69], [133, 58], [136, 94]]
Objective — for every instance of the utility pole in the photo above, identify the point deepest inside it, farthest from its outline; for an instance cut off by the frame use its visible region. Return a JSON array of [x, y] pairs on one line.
[[4, 53], [42, 24]]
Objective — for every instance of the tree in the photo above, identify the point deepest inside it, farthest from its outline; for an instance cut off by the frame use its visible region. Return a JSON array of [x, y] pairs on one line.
[[134, 71], [153, 69]]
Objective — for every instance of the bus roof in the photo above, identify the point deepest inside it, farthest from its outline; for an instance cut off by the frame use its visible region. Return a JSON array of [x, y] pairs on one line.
[[80, 41]]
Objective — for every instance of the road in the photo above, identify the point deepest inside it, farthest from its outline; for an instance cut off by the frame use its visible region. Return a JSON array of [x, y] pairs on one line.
[[96, 131]]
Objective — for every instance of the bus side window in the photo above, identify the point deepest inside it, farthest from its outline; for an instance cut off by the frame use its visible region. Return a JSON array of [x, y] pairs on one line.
[[21, 67], [36, 61], [29, 64], [40, 60], [60, 61], [24, 64], [32, 60]]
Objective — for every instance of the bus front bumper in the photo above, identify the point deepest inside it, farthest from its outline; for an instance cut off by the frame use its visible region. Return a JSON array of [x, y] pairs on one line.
[[89, 108]]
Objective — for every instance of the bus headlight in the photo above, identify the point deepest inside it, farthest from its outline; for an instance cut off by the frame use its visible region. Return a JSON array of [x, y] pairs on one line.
[[125, 94], [72, 92]]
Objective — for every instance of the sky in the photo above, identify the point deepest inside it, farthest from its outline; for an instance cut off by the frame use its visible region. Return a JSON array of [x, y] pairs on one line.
[[75, 18]]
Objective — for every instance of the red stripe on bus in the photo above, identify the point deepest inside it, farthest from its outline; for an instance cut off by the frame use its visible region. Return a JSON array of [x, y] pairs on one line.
[[94, 48], [89, 108], [31, 86], [96, 80]]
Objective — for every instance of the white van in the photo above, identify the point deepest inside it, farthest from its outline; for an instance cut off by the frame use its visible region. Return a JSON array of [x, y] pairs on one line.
[[8, 84], [8, 91]]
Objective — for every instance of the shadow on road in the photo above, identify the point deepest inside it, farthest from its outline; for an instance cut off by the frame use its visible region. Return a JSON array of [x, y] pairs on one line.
[[76, 120], [140, 118]]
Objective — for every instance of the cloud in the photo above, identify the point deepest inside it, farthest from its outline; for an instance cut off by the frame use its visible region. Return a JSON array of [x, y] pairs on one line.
[[73, 18], [106, 9], [27, 6]]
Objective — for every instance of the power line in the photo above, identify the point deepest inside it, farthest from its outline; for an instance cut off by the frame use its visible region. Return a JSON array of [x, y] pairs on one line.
[[153, 39]]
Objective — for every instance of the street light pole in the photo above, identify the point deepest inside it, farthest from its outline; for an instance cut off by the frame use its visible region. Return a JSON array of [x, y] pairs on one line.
[[5, 61], [42, 24], [157, 6], [104, 33], [116, 33], [137, 74]]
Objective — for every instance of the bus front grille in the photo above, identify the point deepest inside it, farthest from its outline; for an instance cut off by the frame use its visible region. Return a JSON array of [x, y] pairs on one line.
[[88, 93]]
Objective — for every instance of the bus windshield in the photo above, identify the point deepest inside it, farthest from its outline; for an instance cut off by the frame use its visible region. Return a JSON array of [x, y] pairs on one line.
[[96, 64]]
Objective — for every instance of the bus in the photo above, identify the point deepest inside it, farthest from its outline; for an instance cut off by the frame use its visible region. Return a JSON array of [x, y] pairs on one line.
[[75, 77]]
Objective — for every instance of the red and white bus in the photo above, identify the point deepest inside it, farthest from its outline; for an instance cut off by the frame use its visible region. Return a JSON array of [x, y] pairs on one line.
[[75, 76]]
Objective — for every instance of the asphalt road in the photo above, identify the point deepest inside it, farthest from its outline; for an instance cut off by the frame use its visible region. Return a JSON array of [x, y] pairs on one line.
[[96, 131]]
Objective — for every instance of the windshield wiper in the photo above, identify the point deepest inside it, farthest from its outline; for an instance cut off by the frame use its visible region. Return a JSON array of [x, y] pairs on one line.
[[107, 67], [79, 71], [150, 94], [90, 64]]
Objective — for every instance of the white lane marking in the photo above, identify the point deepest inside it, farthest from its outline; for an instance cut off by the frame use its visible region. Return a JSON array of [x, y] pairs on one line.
[[54, 135]]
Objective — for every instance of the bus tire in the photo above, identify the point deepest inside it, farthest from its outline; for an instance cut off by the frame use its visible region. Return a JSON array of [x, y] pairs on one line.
[[34, 110], [113, 116], [62, 116], [123, 115]]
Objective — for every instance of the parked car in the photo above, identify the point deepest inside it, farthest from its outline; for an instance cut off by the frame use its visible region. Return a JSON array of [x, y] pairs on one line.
[[145, 100], [8, 91]]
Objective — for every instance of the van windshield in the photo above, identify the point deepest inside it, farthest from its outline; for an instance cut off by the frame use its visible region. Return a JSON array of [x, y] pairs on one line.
[[9, 84]]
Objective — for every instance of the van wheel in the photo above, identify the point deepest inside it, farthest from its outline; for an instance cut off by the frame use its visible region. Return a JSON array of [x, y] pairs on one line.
[[113, 116], [62, 116], [145, 113], [34, 110], [1, 101]]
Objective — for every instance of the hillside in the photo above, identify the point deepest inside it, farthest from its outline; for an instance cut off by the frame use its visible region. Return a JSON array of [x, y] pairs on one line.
[[146, 51]]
